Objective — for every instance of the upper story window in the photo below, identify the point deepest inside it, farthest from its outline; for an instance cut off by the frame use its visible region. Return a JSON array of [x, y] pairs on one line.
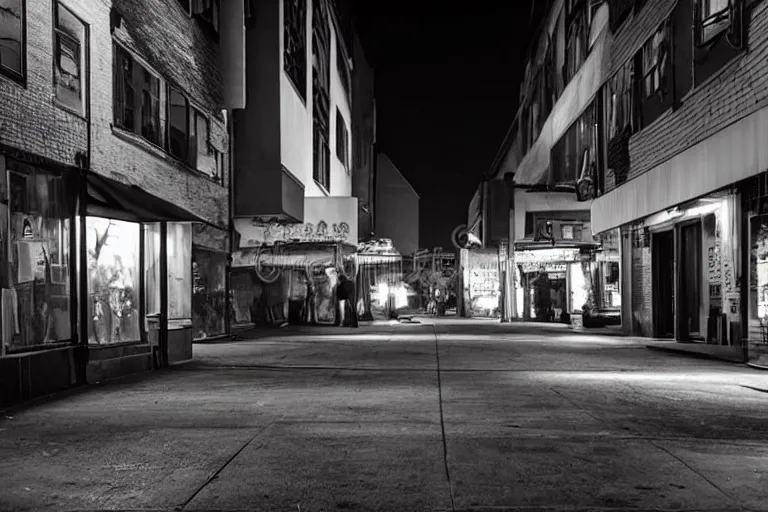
[[714, 17], [70, 47], [619, 101], [342, 67], [136, 97], [577, 37], [295, 43], [342, 140], [178, 124], [655, 56], [206, 11], [12, 42], [321, 80]]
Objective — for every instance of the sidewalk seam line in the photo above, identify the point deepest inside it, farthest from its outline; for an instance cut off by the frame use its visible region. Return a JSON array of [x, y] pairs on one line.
[[442, 420], [215, 475]]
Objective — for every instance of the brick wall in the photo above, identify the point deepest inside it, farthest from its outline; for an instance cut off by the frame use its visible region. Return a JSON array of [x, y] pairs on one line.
[[174, 46], [739, 89], [26, 109], [182, 53]]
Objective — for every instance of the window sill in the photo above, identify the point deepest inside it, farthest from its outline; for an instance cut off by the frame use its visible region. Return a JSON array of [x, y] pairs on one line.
[[17, 80], [67, 109], [15, 350], [155, 150], [322, 188]]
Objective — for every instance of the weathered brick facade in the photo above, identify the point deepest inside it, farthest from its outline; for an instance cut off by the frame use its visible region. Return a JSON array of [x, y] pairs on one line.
[[29, 118], [174, 45], [183, 54], [739, 89]]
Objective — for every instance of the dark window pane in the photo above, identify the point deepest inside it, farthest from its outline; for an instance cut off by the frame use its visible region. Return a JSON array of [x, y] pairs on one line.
[[295, 36], [178, 124], [150, 107], [11, 38], [124, 90]]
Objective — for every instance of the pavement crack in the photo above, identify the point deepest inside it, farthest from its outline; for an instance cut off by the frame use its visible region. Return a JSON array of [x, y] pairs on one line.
[[695, 471], [442, 420], [216, 473]]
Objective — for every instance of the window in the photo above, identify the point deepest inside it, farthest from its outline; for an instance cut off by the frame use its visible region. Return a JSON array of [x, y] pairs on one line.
[[321, 171], [39, 260], [206, 157], [575, 153], [343, 69], [342, 140], [178, 124], [295, 36], [577, 41], [206, 11], [69, 54], [189, 136], [619, 101], [12, 43], [655, 55], [136, 97], [714, 18], [320, 93]]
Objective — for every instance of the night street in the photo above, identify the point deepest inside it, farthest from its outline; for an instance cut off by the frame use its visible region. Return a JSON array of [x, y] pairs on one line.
[[338, 419]]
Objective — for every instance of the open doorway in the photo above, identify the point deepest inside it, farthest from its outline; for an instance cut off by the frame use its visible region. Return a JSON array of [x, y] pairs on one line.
[[690, 281], [663, 284]]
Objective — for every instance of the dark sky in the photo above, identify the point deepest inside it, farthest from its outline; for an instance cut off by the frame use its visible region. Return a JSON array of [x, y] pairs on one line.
[[447, 88]]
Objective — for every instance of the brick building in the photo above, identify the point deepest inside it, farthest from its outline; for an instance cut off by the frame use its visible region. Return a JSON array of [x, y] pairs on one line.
[[532, 204], [113, 158], [684, 170]]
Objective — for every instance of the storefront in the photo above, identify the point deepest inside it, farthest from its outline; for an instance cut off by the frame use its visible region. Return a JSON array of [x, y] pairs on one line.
[[755, 208], [382, 290], [87, 265], [481, 282], [210, 258], [286, 272], [693, 254], [554, 282]]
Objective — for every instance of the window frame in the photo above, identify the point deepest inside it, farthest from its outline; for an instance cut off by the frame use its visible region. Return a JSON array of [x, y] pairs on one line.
[[170, 88], [721, 21], [295, 41], [342, 140], [137, 90], [19, 77]]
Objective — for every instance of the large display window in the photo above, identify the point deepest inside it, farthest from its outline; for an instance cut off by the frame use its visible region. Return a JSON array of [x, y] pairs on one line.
[[36, 304], [208, 292], [758, 283], [113, 281], [179, 249]]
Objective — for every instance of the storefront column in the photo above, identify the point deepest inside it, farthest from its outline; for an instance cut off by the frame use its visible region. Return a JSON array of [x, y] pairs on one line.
[[163, 294], [81, 271]]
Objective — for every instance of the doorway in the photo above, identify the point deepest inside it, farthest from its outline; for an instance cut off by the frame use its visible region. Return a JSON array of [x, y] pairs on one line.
[[690, 281], [663, 283]]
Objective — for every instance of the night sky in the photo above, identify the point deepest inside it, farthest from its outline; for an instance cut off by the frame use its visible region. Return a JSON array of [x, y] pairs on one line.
[[447, 87]]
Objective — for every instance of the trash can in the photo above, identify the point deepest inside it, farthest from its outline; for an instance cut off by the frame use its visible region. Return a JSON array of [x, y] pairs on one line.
[[153, 337]]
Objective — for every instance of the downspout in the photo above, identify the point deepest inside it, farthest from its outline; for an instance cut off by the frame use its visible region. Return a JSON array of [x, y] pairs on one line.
[[230, 224]]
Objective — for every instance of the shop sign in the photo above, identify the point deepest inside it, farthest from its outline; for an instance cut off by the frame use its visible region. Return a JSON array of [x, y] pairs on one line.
[[544, 255], [326, 219], [544, 267]]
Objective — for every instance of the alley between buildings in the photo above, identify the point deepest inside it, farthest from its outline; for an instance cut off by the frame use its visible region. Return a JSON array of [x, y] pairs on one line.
[[443, 415]]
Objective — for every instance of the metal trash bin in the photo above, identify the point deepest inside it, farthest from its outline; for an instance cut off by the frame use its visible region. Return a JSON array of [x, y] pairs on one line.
[[153, 337]]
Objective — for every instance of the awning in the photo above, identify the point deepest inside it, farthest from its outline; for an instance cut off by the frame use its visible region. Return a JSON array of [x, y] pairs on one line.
[[110, 198]]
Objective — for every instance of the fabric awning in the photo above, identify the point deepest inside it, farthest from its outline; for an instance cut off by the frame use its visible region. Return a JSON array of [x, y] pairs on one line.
[[108, 197]]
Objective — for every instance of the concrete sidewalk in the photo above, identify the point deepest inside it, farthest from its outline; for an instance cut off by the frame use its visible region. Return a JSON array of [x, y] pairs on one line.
[[448, 416]]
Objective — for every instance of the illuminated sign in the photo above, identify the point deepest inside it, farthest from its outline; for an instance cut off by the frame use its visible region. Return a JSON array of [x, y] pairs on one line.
[[545, 255]]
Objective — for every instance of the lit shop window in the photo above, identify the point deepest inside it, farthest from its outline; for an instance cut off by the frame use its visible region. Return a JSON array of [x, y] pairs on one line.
[[113, 280], [37, 304]]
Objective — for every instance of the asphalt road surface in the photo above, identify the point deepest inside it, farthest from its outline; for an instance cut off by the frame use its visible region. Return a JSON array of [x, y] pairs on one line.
[[464, 415]]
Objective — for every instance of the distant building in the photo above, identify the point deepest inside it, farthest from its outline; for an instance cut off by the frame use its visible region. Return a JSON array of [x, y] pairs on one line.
[[294, 138], [397, 207], [644, 131]]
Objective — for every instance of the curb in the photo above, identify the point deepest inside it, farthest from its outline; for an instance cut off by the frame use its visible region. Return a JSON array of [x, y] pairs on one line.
[[757, 366], [701, 355]]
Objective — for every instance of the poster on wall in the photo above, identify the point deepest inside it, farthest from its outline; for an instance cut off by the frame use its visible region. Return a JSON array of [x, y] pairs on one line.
[[31, 257], [484, 283]]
